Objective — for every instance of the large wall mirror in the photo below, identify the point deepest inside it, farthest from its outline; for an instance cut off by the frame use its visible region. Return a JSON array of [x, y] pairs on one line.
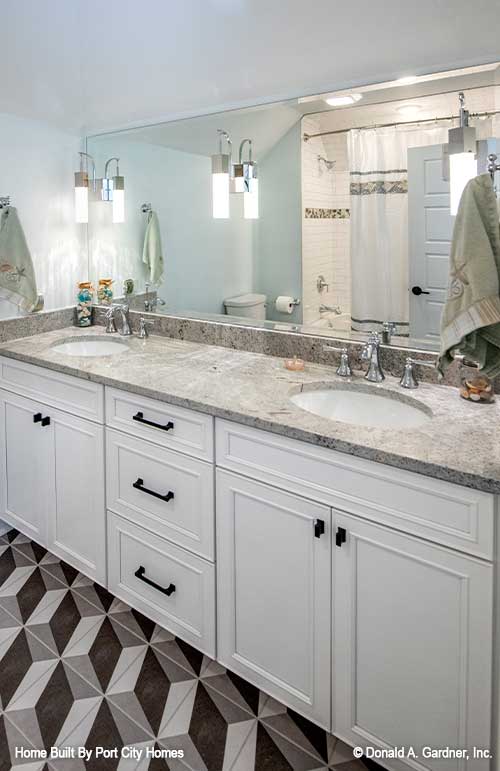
[[335, 218]]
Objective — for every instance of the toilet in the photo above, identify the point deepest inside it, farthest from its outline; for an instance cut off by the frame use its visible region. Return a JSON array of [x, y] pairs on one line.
[[251, 306]]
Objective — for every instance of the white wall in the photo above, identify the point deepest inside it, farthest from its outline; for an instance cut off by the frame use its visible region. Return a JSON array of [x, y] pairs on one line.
[[206, 260], [37, 163]]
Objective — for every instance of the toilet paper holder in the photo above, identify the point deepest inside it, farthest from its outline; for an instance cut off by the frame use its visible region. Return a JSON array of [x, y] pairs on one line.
[[294, 301]]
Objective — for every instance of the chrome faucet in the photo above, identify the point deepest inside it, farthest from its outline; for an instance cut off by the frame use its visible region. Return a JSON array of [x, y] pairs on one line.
[[371, 354], [123, 309]]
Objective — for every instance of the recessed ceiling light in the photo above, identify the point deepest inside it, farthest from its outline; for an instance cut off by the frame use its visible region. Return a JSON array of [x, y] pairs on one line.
[[409, 110], [408, 80], [341, 101]]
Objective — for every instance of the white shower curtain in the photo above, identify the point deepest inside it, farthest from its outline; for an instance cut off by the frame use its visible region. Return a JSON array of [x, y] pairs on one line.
[[378, 162]]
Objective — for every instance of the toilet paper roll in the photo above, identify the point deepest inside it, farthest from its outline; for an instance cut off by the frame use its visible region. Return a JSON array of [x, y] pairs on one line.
[[285, 304]]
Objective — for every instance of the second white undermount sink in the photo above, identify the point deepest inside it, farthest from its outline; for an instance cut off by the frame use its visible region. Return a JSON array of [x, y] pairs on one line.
[[91, 347], [362, 407]]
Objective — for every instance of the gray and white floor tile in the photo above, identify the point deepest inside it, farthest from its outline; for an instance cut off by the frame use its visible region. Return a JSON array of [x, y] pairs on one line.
[[80, 668]]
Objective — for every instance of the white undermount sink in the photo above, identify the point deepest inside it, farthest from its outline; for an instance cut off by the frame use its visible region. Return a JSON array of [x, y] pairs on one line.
[[363, 407], [91, 347]]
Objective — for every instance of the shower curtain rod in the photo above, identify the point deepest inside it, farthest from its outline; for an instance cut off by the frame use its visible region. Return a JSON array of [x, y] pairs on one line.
[[306, 137]]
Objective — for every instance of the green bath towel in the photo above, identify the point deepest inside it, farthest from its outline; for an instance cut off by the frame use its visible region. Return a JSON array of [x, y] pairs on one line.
[[471, 316], [17, 275]]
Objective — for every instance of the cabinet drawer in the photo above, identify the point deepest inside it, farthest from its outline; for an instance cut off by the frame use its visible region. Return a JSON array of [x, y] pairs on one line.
[[181, 596], [173, 427], [165, 491], [67, 393], [438, 511]]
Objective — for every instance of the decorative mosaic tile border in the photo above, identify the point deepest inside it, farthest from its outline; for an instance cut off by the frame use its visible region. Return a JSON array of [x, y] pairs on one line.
[[379, 186], [326, 214]]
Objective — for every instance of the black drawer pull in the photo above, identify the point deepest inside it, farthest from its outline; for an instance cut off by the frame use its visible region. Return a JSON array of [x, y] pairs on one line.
[[46, 421], [37, 418], [340, 536], [140, 573], [139, 485], [139, 416]]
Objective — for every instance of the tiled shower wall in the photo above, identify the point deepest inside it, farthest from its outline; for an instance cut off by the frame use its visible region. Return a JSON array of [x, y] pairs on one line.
[[325, 222]]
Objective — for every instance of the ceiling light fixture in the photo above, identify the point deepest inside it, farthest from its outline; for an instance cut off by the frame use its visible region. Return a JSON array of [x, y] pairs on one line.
[[344, 100], [407, 80]]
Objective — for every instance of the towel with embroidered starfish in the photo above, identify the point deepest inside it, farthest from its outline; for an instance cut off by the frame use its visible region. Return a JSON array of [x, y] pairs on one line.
[[471, 315], [17, 275]]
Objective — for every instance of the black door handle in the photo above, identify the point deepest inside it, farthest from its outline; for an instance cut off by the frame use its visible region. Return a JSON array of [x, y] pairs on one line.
[[139, 485], [140, 573], [46, 421], [37, 417], [418, 290], [139, 416], [319, 528], [340, 536]]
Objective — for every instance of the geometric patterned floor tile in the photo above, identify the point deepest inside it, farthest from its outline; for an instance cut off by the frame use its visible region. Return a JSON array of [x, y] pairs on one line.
[[80, 668]]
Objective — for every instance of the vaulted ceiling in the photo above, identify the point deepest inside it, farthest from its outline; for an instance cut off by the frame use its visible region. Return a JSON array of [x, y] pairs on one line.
[[86, 65]]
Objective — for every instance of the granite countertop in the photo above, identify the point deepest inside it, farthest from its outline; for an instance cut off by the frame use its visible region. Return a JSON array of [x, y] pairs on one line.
[[460, 444]]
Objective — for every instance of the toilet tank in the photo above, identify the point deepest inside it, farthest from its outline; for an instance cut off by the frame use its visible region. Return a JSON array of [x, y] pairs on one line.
[[251, 306]]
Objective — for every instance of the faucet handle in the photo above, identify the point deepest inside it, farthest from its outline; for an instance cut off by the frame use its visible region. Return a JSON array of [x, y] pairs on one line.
[[110, 319], [409, 378], [344, 369], [143, 327]]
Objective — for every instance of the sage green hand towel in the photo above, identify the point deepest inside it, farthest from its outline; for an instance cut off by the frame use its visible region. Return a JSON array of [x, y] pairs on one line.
[[471, 315], [17, 275], [152, 253]]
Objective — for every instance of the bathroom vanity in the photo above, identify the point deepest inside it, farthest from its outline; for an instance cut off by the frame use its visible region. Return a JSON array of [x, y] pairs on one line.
[[359, 593]]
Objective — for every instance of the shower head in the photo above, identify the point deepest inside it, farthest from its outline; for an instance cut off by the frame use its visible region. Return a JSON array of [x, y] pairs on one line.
[[329, 164]]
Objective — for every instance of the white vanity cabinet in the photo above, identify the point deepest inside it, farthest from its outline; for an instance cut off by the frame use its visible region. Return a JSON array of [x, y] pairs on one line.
[[273, 592], [52, 464], [411, 561], [412, 643]]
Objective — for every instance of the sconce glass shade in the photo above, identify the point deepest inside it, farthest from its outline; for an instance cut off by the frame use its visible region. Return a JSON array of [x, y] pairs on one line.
[[220, 186], [118, 200], [463, 167], [251, 201], [81, 197]]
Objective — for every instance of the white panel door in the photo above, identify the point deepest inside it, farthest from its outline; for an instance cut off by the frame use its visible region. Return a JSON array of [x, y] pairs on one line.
[[412, 645], [77, 515], [273, 592], [25, 446], [430, 228]]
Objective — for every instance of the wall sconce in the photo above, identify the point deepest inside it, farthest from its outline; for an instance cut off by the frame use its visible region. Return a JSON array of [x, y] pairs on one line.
[[113, 189], [221, 169], [461, 155], [246, 182], [82, 188]]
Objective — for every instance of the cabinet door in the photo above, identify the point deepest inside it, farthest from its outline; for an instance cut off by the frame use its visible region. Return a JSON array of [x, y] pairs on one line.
[[25, 465], [273, 592], [412, 645], [77, 519]]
